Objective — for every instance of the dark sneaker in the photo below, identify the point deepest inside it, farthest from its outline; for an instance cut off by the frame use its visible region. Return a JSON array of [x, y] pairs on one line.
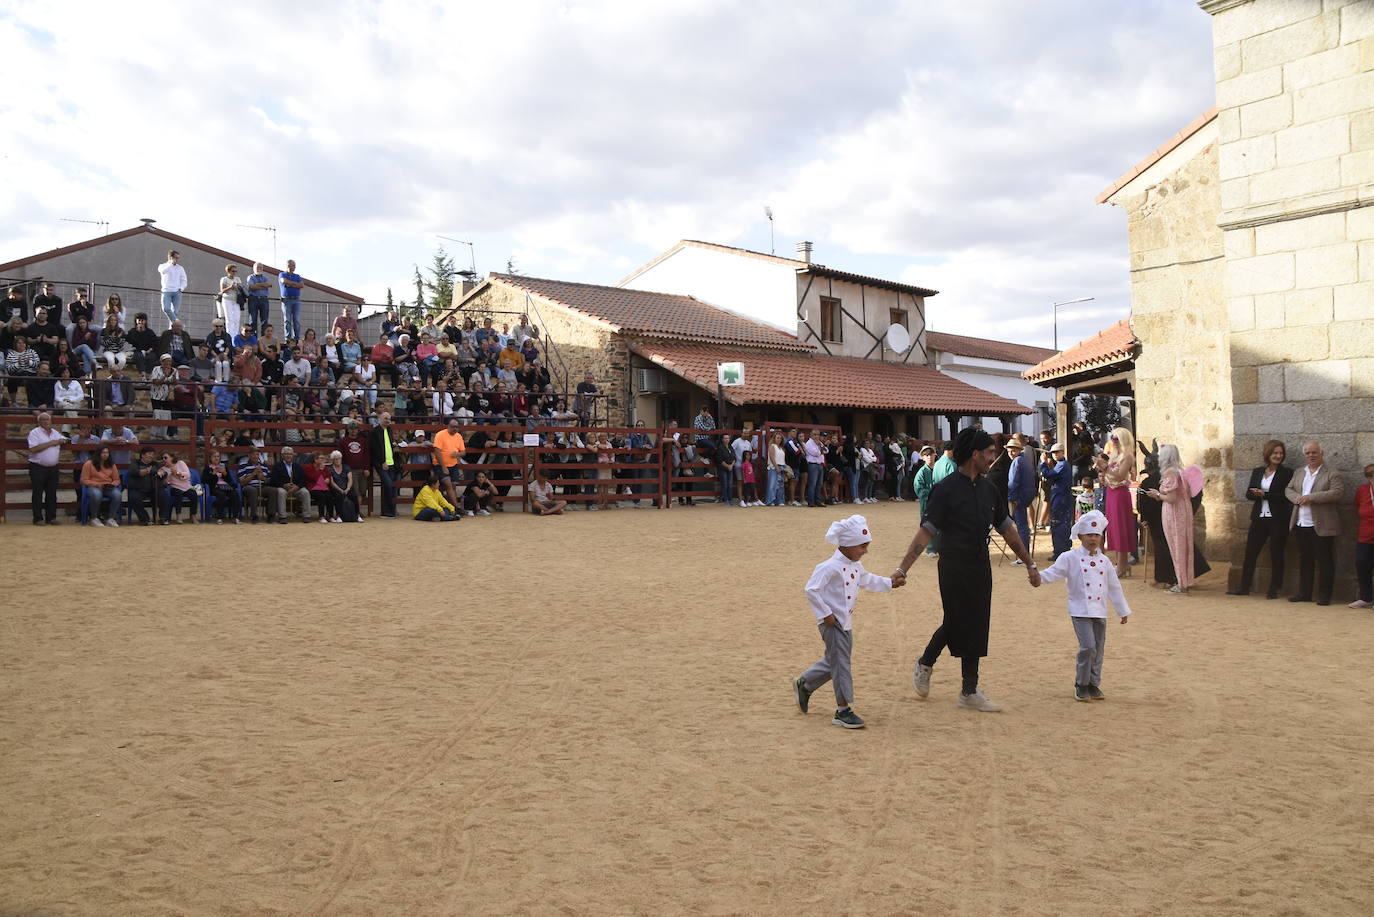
[[1096, 693], [803, 694], [848, 719], [1080, 692]]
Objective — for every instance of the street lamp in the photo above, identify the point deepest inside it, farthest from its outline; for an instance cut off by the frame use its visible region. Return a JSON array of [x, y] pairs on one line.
[[1056, 315]]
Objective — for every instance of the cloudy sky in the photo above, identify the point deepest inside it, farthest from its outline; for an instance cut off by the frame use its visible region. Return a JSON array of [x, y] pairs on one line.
[[954, 145]]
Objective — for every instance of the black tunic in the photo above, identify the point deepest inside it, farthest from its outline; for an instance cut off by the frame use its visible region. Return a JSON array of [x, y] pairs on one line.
[[963, 512]]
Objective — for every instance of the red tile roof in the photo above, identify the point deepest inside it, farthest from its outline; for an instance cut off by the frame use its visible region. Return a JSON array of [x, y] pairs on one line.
[[1163, 150], [984, 349], [1112, 345], [179, 240], [808, 379], [660, 315], [807, 267]]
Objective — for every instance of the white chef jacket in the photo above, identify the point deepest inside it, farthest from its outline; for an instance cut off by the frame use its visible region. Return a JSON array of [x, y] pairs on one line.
[[1091, 581], [834, 586]]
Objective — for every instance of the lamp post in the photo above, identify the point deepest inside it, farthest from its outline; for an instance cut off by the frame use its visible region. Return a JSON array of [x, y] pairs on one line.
[[1056, 315]]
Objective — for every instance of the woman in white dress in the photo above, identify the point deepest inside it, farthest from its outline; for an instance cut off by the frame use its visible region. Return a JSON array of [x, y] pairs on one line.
[[229, 287]]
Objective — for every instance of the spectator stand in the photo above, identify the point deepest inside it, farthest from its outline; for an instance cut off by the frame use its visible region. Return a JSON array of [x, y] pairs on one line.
[[574, 470]]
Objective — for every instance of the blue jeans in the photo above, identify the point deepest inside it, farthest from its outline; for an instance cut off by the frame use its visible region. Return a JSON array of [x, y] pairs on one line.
[[1022, 524], [171, 303], [94, 496], [429, 514], [775, 488], [257, 312], [815, 476], [853, 476], [388, 490], [291, 318], [87, 356], [727, 485]]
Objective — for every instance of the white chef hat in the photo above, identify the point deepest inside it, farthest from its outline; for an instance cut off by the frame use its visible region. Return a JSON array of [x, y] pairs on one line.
[[1090, 523], [848, 532]]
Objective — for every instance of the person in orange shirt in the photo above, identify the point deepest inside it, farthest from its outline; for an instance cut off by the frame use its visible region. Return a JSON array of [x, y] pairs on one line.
[[510, 357], [448, 454], [100, 479]]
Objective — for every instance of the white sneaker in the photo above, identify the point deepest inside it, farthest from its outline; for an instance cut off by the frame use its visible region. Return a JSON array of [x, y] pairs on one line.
[[484, 512], [978, 701], [1358, 603], [112, 524], [920, 680], [468, 512], [323, 521], [97, 523]]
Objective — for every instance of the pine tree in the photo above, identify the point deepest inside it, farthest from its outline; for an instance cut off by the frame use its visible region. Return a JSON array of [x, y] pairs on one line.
[[440, 286], [419, 291], [390, 300]]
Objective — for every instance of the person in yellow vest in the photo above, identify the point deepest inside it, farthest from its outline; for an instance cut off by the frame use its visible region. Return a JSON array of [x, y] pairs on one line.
[[430, 505]]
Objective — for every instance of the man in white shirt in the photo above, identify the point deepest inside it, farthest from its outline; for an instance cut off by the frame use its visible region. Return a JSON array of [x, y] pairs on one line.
[[1315, 492], [45, 447], [173, 277]]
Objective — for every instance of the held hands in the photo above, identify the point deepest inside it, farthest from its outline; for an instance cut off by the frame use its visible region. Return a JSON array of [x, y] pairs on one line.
[[1126, 620], [1033, 577], [898, 580]]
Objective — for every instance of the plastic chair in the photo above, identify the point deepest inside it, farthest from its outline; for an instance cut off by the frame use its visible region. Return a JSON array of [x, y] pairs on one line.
[[207, 499]]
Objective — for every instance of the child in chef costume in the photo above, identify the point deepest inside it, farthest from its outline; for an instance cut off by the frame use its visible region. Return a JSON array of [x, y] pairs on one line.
[[1092, 582], [832, 590]]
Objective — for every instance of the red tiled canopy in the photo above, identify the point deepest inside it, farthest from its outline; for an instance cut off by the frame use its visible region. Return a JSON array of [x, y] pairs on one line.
[[1111, 345], [772, 377]]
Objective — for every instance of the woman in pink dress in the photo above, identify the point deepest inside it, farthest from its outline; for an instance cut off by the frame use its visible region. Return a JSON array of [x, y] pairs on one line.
[[1117, 471], [1177, 515]]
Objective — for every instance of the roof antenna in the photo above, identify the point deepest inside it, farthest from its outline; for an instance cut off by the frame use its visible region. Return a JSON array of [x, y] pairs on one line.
[[147, 221], [768, 212]]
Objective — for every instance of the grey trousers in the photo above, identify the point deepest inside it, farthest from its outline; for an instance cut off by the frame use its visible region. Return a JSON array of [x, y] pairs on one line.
[[1092, 644], [834, 665], [279, 495]]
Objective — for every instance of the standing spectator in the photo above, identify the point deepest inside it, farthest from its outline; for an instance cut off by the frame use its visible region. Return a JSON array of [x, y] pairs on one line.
[[163, 377], [143, 341], [815, 467], [746, 471], [728, 467], [144, 488], [924, 479], [448, 455], [1269, 518], [100, 487], [288, 480], [48, 301], [173, 281], [15, 305], [585, 403], [291, 285], [259, 288], [45, 445], [354, 446], [1058, 473], [777, 469], [1020, 486], [1174, 493], [253, 476], [231, 290], [81, 307], [796, 460], [1116, 473], [387, 460], [1364, 541], [1315, 495]]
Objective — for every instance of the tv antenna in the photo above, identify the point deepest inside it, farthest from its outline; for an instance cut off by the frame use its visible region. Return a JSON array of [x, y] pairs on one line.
[[272, 230], [471, 273], [104, 223], [768, 212]]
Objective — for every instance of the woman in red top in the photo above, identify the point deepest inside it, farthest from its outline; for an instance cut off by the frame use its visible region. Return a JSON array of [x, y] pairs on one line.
[[1364, 543]]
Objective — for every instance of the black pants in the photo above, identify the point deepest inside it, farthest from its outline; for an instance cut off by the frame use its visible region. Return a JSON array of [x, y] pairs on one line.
[[1364, 570], [1319, 552], [140, 502], [43, 482], [1261, 530], [472, 503]]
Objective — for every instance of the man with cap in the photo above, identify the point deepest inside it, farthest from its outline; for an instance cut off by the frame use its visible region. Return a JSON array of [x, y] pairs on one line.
[[1020, 486], [832, 591], [963, 508], [1056, 471], [162, 378]]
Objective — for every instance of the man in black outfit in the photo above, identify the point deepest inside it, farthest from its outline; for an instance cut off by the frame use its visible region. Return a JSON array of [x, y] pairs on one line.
[[963, 509]]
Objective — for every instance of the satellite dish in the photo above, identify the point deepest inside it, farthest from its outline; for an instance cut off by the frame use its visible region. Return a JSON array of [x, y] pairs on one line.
[[898, 339]]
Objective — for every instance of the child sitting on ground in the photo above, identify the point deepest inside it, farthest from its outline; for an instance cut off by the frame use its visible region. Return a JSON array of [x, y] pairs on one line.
[[832, 589], [1092, 581]]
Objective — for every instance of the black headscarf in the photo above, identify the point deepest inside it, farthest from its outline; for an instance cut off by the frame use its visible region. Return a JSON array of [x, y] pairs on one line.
[[969, 441]]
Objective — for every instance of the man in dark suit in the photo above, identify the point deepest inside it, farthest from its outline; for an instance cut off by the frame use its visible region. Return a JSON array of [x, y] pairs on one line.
[[288, 480], [1270, 518], [1316, 492], [388, 461]]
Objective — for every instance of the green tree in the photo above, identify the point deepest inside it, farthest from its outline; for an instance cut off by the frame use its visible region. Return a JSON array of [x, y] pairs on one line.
[[390, 300], [1100, 412], [439, 285], [419, 290], [510, 266]]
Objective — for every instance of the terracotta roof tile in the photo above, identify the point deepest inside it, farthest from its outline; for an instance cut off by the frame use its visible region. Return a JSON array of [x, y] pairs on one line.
[[660, 315], [809, 379], [1111, 345], [985, 349]]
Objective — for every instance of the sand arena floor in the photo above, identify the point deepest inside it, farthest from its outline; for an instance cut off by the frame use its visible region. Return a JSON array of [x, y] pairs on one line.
[[592, 715]]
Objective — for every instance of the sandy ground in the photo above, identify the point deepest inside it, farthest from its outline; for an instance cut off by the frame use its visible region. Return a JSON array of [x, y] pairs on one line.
[[592, 715]]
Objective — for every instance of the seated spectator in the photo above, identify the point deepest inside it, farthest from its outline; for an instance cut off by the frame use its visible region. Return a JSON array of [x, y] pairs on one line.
[[297, 366], [317, 480], [100, 482], [288, 480], [112, 343], [69, 395], [267, 340], [365, 381], [38, 389], [329, 356], [221, 485], [218, 340], [272, 367], [203, 364], [542, 496], [246, 337], [429, 504], [477, 497], [177, 342], [253, 475], [427, 358], [344, 322], [65, 359], [20, 363], [144, 487], [381, 356], [81, 307], [310, 347], [178, 490], [350, 352], [142, 342], [45, 333], [340, 489], [119, 394]]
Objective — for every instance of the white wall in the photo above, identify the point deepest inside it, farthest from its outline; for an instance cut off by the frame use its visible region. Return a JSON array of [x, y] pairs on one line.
[[762, 290], [1018, 390], [870, 308]]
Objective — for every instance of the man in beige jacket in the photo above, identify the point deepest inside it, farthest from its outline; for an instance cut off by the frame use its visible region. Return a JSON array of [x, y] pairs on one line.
[[1316, 492]]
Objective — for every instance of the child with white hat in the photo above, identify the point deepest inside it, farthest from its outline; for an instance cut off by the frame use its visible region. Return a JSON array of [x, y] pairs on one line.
[[832, 590], [1092, 582]]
